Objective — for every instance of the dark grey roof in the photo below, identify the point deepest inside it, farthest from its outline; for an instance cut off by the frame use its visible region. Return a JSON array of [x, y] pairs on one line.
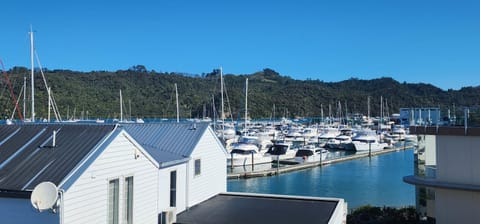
[[28, 158], [227, 208], [167, 142]]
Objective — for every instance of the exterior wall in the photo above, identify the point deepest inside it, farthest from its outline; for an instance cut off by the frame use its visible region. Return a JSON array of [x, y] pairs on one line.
[[213, 177], [457, 162], [457, 159], [164, 188], [431, 153], [20, 210], [339, 215], [457, 206], [86, 200]]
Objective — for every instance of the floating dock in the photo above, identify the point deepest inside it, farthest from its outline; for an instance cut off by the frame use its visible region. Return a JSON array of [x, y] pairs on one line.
[[300, 166]]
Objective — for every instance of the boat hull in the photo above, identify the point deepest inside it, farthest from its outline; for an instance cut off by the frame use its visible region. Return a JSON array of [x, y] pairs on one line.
[[245, 160], [365, 147]]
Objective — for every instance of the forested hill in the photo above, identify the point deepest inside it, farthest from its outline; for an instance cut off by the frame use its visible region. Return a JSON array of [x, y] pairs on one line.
[[152, 94]]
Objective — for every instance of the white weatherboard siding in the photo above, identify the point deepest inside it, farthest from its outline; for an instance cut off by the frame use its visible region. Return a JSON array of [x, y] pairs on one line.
[[86, 200], [213, 177], [164, 188]]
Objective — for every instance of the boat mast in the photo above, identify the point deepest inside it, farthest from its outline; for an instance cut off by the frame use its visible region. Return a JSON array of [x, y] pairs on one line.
[[214, 113], [204, 111], [321, 113], [246, 102], [222, 115], [32, 71], [330, 113], [346, 113], [381, 113], [129, 109], [176, 98], [368, 108], [273, 114], [24, 95], [49, 104], [121, 107]]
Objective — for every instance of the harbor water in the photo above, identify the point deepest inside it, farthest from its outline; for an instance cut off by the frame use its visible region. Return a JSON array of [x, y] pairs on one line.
[[376, 181]]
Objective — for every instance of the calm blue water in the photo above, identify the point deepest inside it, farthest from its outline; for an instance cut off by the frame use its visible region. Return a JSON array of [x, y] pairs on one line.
[[376, 181]]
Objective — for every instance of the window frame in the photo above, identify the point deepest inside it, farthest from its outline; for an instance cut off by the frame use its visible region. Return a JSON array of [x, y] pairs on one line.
[[197, 171], [113, 201], [173, 188], [128, 189]]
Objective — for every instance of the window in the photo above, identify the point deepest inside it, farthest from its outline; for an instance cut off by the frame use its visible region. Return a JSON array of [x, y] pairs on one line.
[[173, 188], [128, 215], [113, 195], [197, 167]]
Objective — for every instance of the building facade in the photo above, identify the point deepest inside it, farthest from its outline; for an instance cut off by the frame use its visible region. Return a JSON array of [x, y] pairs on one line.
[[447, 173], [420, 116]]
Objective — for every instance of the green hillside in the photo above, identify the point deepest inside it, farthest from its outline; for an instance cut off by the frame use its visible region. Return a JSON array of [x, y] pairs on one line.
[[151, 94]]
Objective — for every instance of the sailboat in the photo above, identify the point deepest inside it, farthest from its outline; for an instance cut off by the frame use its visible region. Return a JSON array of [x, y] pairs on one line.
[[225, 131], [51, 101], [247, 150]]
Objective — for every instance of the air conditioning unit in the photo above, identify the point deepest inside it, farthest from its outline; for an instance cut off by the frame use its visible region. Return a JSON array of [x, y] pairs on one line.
[[168, 216]]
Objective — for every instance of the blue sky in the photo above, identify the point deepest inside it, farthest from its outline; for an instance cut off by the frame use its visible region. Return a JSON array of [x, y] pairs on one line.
[[435, 42]]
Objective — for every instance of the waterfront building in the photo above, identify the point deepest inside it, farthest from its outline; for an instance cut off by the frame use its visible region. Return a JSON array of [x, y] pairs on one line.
[[420, 116], [447, 173], [97, 169], [189, 152]]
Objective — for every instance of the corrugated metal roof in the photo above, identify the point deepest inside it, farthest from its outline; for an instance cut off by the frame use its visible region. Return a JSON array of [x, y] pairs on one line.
[[242, 208], [167, 142], [27, 156]]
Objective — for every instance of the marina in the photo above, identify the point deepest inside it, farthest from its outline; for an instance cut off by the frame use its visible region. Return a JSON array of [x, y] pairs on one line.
[[289, 166], [360, 179]]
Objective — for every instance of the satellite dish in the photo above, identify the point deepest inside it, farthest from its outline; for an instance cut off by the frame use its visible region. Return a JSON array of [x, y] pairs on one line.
[[44, 196]]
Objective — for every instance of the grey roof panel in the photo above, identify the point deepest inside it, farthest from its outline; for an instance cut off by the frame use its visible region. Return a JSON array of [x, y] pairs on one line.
[[231, 208], [28, 158], [167, 142]]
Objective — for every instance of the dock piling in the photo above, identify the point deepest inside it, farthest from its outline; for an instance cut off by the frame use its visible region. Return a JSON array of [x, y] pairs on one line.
[[253, 162]]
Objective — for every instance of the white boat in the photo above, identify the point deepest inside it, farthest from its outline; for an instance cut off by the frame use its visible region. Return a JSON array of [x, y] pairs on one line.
[[225, 131], [338, 142], [341, 140], [327, 134], [244, 154], [260, 142], [281, 151], [368, 141], [310, 153]]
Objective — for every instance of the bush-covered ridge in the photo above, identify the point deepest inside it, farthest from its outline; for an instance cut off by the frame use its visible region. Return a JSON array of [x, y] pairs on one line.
[[151, 94]]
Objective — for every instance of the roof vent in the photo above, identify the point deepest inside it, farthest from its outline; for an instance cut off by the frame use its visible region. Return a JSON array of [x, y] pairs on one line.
[[194, 126], [54, 139]]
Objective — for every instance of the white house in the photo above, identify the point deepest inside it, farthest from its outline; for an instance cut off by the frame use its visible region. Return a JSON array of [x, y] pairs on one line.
[[109, 173], [99, 171], [192, 162]]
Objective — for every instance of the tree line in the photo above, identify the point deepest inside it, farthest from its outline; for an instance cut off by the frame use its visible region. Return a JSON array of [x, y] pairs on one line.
[[151, 94]]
